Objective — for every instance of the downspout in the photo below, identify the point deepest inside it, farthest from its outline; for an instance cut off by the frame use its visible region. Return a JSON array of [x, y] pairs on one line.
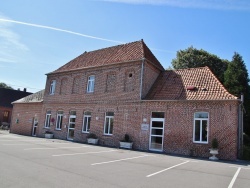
[[142, 71], [240, 129]]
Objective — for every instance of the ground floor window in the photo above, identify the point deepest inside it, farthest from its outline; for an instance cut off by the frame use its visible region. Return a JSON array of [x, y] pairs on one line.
[[47, 119], [59, 120], [86, 122], [109, 121], [200, 134]]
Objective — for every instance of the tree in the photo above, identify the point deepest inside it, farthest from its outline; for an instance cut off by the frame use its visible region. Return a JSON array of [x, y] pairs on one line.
[[237, 82], [3, 85], [192, 57]]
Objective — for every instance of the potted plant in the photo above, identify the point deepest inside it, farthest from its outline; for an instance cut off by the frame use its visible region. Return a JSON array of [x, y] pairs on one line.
[[92, 138], [126, 142], [49, 134], [214, 149]]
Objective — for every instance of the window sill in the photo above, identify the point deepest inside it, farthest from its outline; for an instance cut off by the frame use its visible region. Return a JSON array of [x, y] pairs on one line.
[[85, 132], [58, 129], [46, 127], [195, 142], [107, 134]]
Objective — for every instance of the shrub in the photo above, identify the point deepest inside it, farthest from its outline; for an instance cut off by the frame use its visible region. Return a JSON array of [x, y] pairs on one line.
[[246, 153], [215, 143], [92, 135]]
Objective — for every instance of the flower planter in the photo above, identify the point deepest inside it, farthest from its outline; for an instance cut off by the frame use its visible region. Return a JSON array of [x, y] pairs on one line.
[[92, 141], [213, 152], [127, 145], [49, 136]]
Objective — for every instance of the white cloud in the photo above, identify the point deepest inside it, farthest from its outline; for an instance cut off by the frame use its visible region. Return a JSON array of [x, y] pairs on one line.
[[10, 43], [205, 4]]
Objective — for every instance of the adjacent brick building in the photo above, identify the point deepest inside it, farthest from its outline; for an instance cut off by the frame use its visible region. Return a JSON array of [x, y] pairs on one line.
[[124, 89], [7, 96]]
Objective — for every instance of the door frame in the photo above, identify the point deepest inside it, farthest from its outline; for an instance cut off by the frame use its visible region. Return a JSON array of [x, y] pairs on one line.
[[71, 116], [150, 135], [35, 122]]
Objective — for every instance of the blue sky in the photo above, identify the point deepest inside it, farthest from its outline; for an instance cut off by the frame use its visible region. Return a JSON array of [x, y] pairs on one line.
[[37, 37]]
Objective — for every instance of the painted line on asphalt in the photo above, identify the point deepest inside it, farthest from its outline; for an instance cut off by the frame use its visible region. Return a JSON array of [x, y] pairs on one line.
[[118, 160], [166, 169], [23, 140], [57, 148], [71, 154], [32, 144], [234, 178]]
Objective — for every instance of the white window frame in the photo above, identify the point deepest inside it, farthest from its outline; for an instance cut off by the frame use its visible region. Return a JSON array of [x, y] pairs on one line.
[[52, 87], [59, 119], [86, 128], [47, 119], [201, 119], [109, 118], [91, 84]]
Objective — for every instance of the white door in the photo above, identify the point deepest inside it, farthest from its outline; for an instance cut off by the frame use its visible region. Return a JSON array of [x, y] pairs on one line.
[[34, 129], [156, 134], [71, 127]]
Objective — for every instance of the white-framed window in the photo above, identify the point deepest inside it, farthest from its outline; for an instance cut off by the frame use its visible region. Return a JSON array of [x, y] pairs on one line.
[[59, 119], [109, 122], [52, 87], [200, 133], [86, 122], [91, 84], [47, 119]]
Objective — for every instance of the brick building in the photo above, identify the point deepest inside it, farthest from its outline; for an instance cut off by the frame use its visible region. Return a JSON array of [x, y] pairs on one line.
[[124, 89], [7, 96]]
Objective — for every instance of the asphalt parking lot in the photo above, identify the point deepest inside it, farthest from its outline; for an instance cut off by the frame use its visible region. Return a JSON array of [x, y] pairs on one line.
[[39, 162]]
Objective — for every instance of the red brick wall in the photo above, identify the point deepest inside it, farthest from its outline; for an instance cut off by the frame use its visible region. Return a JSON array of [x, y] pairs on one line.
[[25, 113], [150, 74], [178, 129], [100, 91]]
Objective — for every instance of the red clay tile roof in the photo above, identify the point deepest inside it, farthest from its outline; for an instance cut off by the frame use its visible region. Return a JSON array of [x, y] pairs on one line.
[[188, 84], [117, 54]]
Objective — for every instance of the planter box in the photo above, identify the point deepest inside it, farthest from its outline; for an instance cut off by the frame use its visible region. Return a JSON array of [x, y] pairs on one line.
[[49, 136], [213, 152], [127, 145], [92, 141]]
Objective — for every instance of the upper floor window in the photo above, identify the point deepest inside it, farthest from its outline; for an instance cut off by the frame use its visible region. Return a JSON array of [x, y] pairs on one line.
[[47, 119], [52, 87], [91, 84], [59, 120], [200, 134], [86, 122], [109, 122]]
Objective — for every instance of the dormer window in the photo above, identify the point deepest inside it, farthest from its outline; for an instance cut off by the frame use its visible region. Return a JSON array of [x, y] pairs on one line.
[[52, 87]]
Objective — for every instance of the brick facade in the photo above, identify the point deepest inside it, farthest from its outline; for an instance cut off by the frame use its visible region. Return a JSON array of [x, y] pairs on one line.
[[128, 90]]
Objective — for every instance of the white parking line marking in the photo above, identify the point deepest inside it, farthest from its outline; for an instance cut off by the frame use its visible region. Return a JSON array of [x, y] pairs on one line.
[[120, 160], [70, 154], [31, 144], [57, 148], [166, 169], [23, 140], [234, 178]]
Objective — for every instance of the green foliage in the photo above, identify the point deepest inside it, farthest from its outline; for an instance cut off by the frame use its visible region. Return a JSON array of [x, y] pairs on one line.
[[192, 57], [215, 143], [92, 135], [3, 85], [246, 153], [236, 76]]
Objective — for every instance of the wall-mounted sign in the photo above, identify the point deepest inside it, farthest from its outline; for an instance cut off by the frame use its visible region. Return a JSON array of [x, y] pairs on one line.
[[144, 127]]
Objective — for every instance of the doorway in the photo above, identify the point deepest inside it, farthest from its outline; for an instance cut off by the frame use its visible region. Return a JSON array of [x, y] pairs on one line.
[[35, 124], [156, 131], [71, 126]]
